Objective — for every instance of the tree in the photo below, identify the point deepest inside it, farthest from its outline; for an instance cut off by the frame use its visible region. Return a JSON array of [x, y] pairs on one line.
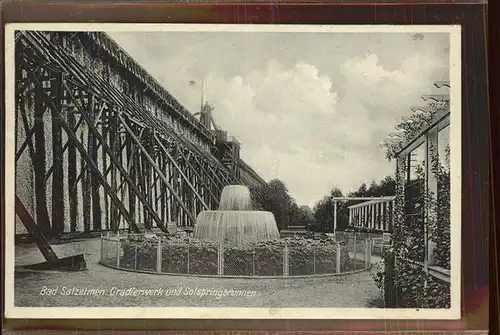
[[275, 198], [324, 213], [305, 216]]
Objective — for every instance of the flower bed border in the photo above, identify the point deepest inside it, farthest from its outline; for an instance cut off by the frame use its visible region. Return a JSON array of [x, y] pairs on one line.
[[338, 253], [239, 277]]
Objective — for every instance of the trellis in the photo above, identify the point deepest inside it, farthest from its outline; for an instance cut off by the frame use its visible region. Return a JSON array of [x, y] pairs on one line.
[[428, 137], [119, 165]]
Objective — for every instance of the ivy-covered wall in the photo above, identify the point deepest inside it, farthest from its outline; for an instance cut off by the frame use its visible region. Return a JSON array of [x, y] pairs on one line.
[[421, 230]]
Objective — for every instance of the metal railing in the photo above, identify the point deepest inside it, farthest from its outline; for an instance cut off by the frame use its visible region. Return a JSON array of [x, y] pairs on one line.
[[196, 258]]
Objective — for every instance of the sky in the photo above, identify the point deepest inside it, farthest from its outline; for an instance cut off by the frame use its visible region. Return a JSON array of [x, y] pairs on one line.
[[308, 108]]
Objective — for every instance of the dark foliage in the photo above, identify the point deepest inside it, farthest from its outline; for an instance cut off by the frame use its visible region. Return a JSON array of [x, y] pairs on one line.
[[188, 256], [275, 198]]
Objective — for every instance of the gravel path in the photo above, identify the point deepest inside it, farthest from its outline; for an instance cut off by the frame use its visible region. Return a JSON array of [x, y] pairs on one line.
[[356, 290]]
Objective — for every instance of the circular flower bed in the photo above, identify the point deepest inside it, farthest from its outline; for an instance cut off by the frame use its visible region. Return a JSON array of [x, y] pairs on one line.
[[184, 255]]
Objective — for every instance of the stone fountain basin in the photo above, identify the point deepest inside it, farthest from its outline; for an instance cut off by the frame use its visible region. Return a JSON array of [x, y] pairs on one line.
[[236, 227]]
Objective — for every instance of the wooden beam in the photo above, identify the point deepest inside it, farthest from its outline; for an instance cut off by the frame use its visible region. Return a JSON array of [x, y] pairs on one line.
[[58, 202], [151, 161], [114, 160], [94, 184], [72, 181], [85, 155], [39, 164], [183, 175], [361, 198], [27, 142], [57, 55], [370, 202], [35, 232]]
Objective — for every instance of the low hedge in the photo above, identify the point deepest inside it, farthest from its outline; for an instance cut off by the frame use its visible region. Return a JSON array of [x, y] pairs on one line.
[[189, 256]]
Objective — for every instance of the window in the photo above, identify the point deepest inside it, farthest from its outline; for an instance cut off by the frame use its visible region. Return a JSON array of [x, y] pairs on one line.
[[414, 191]]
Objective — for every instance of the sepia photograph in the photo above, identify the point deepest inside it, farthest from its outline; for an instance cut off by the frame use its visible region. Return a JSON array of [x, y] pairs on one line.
[[233, 171]]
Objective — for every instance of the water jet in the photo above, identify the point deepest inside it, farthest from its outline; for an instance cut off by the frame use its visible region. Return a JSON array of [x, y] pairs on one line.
[[235, 222]]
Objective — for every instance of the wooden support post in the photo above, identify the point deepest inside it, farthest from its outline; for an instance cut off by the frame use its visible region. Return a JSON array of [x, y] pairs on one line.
[[73, 195], [39, 164], [86, 199], [221, 259], [57, 161], [105, 136], [350, 217], [118, 247], [367, 254], [113, 145], [188, 258], [362, 211], [101, 260], [160, 191], [372, 214], [94, 184], [385, 216], [338, 258], [360, 217], [286, 259], [159, 257], [367, 216], [335, 217], [130, 152]]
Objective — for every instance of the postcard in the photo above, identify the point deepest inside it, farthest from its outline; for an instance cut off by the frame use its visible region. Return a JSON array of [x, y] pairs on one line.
[[233, 171]]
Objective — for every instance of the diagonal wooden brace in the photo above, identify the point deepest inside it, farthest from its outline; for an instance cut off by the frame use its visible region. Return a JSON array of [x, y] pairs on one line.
[[93, 166], [162, 176], [71, 263], [113, 159], [34, 231], [181, 172]]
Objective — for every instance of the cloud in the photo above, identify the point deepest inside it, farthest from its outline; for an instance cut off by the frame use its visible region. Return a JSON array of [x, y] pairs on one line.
[[313, 124]]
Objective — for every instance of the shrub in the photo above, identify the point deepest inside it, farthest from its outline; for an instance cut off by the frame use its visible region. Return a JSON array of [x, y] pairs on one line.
[[139, 254], [410, 286], [189, 256], [268, 258]]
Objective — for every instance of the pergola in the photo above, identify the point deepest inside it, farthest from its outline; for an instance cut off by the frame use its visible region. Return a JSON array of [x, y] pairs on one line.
[[365, 214]]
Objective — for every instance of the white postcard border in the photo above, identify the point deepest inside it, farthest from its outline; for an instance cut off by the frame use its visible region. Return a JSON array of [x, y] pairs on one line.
[[12, 311]]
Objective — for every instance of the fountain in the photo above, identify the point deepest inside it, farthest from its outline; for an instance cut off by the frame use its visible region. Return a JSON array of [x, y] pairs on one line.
[[235, 222], [234, 241]]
